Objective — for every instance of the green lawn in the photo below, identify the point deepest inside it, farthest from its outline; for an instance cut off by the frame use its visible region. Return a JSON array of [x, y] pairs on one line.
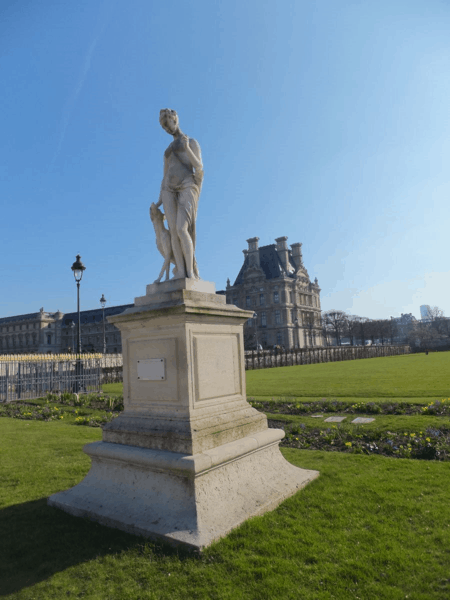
[[369, 528], [395, 377], [409, 378], [113, 389]]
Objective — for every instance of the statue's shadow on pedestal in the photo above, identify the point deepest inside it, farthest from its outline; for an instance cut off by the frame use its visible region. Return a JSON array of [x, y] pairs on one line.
[[37, 541]]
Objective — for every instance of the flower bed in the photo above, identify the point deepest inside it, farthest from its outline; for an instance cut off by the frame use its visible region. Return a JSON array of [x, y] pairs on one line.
[[291, 407], [431, 444]]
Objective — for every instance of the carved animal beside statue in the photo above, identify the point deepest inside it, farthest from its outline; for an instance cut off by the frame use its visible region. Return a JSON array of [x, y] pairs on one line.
[[163, 241]]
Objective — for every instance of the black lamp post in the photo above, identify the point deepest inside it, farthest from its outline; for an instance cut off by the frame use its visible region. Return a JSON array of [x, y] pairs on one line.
[[103, 302], [296, 329], [72, 328], [78, 269], [255, 316]]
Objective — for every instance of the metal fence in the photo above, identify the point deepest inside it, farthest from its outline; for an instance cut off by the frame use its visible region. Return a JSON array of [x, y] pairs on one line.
[[266, 359], [23, 380]]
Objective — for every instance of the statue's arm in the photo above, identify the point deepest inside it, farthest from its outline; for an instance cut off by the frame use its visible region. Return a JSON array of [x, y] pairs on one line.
[[194, 153]]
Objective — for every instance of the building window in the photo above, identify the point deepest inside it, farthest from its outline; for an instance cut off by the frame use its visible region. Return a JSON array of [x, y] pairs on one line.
[[49, 339], [293, 315], [276, 297], [263, 320], [262, 300], [277, 317], [279, 338], [291, 295], [283, 296], [247, 301]]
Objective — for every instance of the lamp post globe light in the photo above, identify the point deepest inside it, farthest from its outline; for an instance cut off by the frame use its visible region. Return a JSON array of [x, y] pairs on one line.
[[103, 303], [78, 269]]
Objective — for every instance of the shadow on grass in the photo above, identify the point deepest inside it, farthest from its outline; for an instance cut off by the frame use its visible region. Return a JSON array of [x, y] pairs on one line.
[[38, 541]]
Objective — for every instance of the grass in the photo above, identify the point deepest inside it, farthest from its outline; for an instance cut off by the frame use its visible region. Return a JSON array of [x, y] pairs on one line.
[[113, 389], [369, 527], [381, 423], [394, 377]]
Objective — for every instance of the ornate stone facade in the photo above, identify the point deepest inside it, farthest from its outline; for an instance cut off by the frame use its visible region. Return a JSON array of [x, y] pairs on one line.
[[37, 333], [274, 283], [92, 330], [45, 332]]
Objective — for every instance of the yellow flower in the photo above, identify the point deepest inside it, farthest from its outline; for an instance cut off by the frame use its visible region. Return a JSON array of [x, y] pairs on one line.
[[412, 435], [428, 439], [348, 444]]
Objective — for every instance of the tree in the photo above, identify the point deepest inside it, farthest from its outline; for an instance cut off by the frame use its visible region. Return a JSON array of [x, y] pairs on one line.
[[392, 329], [249, 339], [435, 313], [363, 329], [351, 329], [310, 325], [335, 322]]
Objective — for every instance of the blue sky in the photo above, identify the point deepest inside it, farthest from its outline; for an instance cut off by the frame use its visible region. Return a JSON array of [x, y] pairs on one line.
[[324, 121]]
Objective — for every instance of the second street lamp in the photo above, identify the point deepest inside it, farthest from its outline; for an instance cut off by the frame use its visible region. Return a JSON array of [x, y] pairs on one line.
[[255, 317], [103, 303]]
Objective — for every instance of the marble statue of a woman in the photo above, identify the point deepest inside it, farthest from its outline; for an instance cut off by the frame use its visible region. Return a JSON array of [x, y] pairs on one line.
[[180, 191]]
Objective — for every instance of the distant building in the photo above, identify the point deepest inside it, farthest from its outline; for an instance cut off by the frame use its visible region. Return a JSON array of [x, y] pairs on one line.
[[425, 311], [37, 332], [92, 330], [274, 283], [405, 319], [44, 332]]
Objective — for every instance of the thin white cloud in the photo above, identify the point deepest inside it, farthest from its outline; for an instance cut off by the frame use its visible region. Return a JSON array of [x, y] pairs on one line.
[[71, 101]]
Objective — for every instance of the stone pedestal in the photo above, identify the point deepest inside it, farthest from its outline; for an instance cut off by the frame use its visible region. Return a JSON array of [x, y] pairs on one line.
[[188, 459]]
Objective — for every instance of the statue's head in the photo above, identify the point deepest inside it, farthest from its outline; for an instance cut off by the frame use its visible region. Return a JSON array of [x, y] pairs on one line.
[[169, 120]]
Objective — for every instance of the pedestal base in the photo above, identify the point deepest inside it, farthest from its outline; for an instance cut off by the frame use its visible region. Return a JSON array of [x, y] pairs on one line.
[[184, 499]]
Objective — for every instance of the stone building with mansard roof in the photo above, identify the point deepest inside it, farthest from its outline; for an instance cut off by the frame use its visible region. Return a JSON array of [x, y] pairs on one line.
[[46, 332], [36, 333], [274, 283]]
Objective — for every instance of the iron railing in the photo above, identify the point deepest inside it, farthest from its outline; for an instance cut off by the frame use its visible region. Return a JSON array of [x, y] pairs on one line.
[[266, 359], [23, 380]]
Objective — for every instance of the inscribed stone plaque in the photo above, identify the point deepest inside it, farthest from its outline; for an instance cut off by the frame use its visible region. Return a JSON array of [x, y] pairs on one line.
[[334, 419], [362, 420], [149, 391], [152, 369]]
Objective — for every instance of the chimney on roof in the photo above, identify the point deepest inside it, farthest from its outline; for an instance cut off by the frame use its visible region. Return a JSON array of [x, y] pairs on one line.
[[253, 251], [283, 251], [297, 254]]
